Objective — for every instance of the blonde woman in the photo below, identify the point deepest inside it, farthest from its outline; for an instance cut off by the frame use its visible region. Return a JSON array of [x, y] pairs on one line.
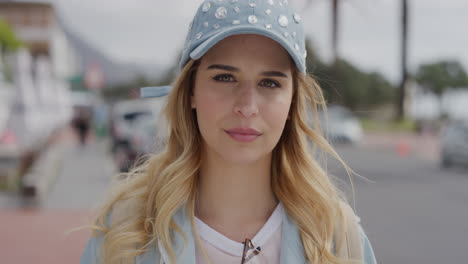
[[236, 182]]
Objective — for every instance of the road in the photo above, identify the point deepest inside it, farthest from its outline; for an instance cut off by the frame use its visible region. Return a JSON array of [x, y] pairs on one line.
[[413, 212]]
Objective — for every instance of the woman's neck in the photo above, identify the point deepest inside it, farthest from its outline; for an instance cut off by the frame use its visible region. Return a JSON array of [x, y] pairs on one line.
[[236, 200]]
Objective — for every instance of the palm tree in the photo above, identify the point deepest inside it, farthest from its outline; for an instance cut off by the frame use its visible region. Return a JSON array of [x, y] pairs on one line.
[[335, 95], [335, 29], [335, 15], [400, 113], [400, 108]]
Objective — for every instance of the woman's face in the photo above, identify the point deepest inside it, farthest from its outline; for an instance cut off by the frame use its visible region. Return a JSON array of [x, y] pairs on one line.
[[242, 95]]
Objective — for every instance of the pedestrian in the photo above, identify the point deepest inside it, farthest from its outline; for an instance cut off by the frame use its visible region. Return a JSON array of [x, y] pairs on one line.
[[81, 124], [237, 181]]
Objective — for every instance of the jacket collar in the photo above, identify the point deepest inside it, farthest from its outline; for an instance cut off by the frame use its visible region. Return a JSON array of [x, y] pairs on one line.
[[292, 250]]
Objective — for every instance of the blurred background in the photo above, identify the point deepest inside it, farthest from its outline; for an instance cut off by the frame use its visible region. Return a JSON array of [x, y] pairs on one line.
[[394, 72]]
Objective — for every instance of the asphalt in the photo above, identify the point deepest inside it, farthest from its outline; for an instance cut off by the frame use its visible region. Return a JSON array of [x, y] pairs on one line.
[[413, 211]]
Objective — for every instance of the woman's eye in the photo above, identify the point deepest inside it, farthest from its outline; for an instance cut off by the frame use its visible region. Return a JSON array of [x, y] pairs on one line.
[[270, 83], [224, 78]]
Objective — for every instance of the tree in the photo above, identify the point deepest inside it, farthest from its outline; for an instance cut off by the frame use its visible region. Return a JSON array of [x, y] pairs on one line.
[[129, 90], [438, 76], [8, 42], [358, 89], [334, 95], [335, 29], [400, 113], [344, 83], [8, 39]]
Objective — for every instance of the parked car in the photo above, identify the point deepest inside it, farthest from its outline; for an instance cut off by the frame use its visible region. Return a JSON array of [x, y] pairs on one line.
[[123, 116], [454, 144], [341, 125], [137, 128], [147, 136]]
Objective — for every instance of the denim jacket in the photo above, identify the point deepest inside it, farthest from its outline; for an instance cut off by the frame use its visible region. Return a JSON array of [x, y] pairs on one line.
[[292, 250]]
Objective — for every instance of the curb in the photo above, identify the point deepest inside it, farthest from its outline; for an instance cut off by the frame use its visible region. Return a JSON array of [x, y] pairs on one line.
[[44, 172]]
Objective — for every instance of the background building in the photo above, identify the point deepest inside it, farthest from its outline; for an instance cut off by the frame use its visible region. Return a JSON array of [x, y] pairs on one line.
[[38, 26]]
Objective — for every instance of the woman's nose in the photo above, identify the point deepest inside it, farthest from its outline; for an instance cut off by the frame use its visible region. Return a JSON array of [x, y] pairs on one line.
[[246, 102]]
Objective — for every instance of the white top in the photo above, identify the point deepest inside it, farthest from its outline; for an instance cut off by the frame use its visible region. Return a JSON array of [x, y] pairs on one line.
[[221, 249]]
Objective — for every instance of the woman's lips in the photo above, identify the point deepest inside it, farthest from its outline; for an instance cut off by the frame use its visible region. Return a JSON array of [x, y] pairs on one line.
[[243, 134]]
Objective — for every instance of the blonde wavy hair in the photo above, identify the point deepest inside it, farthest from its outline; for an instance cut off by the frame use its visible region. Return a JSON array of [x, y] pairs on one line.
[[167, 181]]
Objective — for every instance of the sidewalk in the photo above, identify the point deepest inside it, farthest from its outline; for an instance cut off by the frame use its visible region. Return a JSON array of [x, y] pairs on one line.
[[44, 234], [50, 162], [34, 236], [404, 144]]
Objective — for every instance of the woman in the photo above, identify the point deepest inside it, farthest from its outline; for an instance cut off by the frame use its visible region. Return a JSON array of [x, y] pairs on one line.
[[237, 182]]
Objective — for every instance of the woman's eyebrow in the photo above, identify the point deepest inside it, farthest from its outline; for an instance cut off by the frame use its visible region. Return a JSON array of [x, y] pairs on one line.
[[223, 67], [274, 74], [234, 69]]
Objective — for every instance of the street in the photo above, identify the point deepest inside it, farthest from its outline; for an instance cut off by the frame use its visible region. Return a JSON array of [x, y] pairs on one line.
[[413, 212]]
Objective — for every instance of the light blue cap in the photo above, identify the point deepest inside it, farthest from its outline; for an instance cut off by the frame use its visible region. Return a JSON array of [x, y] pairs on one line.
[[218, 19], [154, 91]]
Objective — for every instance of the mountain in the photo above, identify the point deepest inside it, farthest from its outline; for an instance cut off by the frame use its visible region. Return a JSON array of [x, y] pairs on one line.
[[114, 72]]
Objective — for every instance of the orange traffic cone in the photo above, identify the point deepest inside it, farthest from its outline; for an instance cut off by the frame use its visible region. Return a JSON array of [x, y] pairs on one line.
[[403, 149]]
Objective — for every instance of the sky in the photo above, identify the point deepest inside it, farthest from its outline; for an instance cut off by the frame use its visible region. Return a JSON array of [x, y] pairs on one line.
[[153, 31]]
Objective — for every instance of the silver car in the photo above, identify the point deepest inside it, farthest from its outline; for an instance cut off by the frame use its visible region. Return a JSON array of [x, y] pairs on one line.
[[341, 125], [138, 128], [454, 144]]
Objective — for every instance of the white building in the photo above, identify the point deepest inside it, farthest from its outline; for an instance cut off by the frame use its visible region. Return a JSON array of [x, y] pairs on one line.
[[37, 25]]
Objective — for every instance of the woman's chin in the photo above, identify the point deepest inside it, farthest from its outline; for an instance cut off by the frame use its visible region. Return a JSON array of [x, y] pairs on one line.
[[244, 157]]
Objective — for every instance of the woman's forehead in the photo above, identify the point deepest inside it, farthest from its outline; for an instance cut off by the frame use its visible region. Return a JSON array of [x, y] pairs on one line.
[[251, 49]]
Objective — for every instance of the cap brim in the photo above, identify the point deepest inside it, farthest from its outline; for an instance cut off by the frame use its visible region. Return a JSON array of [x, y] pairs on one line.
[[198, 52], [155, 91]]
